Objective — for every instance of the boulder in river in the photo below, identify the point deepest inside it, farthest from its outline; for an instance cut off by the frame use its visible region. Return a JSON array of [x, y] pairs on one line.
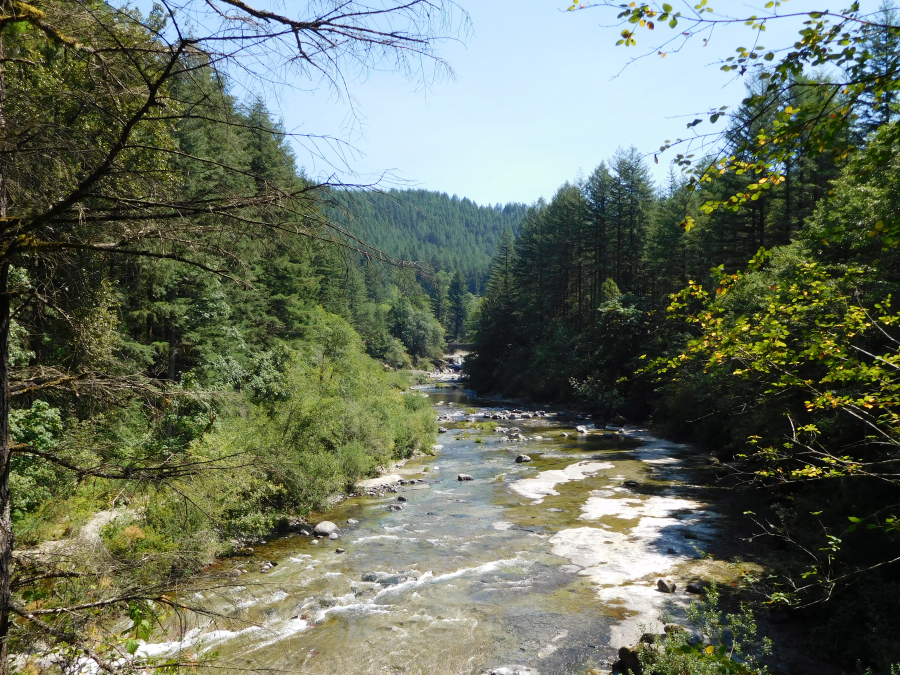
[[522, 458], [442, 430], [512, 670], [631, 483], [666, 585], [395, 507], [581, 429], [334, 535], [401, 498], [697, 587], [464, 476], [326, 527], [630, 660]]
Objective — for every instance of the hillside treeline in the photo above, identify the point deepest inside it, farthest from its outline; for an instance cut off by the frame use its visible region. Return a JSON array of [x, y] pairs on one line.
[[766, 332], [445, 233], [194, 349]]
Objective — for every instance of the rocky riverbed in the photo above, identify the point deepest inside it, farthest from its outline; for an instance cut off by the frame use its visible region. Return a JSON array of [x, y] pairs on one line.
[[473, 562]]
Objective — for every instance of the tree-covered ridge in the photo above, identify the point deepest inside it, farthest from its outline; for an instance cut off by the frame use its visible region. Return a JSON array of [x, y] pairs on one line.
[[185, 338], [750, 307], [443, 232]]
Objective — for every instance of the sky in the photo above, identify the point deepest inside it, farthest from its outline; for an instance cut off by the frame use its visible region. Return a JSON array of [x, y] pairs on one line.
[[539, 96]]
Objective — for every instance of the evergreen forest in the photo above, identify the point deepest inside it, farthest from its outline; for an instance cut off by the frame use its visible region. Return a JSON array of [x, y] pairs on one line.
[[747, 304], [202, 346]]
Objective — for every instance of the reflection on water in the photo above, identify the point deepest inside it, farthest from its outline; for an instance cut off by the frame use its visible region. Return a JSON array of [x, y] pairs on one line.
[[460, 580]]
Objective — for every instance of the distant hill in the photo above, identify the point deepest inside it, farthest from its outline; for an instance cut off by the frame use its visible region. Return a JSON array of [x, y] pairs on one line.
[[445, 232]]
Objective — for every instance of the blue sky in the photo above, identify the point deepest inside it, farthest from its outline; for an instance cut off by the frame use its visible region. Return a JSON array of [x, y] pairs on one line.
[[539, 97], [535, 101]]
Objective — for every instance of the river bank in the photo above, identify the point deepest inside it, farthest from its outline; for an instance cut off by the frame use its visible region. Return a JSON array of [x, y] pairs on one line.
[[550, 564]]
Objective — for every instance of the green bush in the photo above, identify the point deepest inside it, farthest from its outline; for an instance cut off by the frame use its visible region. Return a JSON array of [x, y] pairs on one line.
[[733, 647]]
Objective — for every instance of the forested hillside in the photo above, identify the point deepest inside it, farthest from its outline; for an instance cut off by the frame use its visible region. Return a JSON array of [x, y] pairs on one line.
[[445, 233], [748, 305], [186, 341]]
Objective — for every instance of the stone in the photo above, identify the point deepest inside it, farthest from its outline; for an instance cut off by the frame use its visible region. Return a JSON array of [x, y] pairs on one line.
[[442, 430], [674, 628], [339, 550], [464, 476], [666, 586], [629, 661], [314, 542], [326, 527], [522, 458], [401, 498], [352, 521], [649, 638], [512, 670], [395, 507], [690, 535], [617, 421], [333, 536], [696, 587], [565, 434], [631, 484], [581, 429]]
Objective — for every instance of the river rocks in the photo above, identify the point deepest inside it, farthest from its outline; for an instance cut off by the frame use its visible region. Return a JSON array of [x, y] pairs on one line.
[[697, 587], [504, 439], [314, 542], [390, 578], [581, 429], [630, 660], [617, 421], [463, 477], [501, 430], [564, 434], [395, 507], [326, 527], [631, 484], [442, 430], [522, 458], [401, 498], [339, 550], [512, 670], [333, 536], [666, 586], [352, 521]]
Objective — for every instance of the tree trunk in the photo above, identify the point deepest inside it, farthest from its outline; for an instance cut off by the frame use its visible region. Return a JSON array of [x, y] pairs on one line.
[[6, 531]]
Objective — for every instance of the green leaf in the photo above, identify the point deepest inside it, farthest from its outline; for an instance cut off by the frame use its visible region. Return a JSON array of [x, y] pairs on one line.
[[666, 7]]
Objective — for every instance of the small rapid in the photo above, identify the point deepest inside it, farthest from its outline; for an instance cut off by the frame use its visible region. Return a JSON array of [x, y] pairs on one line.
[[549, 564]]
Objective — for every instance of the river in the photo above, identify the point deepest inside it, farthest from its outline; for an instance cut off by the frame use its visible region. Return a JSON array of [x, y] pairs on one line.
[[549, 565]]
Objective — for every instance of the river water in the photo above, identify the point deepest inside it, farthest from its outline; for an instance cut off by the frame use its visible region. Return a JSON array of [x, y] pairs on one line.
[[549, 565]]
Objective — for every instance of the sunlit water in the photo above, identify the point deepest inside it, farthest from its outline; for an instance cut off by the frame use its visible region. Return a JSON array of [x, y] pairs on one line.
[[469, 576]]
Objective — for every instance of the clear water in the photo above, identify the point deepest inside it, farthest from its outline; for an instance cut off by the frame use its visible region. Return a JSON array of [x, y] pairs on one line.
[[465, 579]]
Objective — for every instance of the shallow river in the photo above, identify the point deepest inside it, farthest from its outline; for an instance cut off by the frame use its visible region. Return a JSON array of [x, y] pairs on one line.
[[550, 564]]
